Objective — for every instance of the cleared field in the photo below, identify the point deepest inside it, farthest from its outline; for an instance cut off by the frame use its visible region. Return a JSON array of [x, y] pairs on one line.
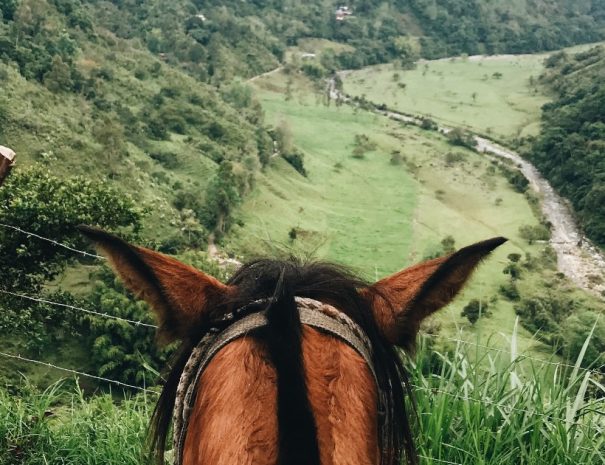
[[376, 216], [497, 95]]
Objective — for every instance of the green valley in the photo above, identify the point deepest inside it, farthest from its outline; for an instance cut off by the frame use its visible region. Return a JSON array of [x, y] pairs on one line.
[[218, 132]]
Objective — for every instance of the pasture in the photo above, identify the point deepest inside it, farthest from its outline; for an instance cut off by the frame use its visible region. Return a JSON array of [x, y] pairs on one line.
[[377, 216], [497, 95]]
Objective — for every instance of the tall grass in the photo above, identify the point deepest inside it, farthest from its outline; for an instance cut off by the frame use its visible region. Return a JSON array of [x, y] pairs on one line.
[[497, 411], [472, 408], [60, 426]]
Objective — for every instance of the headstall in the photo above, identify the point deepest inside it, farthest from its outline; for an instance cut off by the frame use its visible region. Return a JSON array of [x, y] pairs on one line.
[[312, 312]]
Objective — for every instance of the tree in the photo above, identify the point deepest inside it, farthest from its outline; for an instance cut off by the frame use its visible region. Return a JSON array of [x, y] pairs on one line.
[[110, 134], [41, 203]]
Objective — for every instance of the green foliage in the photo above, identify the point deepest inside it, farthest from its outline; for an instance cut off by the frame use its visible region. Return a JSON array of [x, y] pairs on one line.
[[514, 177], [120, 350], [575, 330], [63, 425], [297, 159], [362, 145], [521, 411], [510, 291], [461, 137], [474, 310], [570, 150], [222, 197], [545, 313], [44, 204], [534, 233]]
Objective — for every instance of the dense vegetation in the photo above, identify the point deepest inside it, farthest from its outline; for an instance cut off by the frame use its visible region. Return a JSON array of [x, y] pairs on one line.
[[570, 150]]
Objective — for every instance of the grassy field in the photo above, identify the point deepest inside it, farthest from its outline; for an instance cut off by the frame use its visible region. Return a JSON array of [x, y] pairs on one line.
[[495, 95], [378, 217], [492, 95]]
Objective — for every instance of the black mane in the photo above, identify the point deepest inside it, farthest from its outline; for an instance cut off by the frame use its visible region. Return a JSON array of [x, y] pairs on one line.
[[329, 283]]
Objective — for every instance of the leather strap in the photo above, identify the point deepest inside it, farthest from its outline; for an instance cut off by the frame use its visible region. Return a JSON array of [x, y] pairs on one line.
[[312, 313]]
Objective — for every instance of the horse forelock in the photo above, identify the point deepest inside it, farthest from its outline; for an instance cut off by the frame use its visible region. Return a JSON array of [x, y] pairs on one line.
[[330, 284]]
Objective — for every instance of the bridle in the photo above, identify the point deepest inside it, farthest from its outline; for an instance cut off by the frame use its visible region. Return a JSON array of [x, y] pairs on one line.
[[240, 323]]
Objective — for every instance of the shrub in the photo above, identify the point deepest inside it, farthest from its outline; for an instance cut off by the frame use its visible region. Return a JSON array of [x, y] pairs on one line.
[[297, 160], [461, 137], [474, 310]]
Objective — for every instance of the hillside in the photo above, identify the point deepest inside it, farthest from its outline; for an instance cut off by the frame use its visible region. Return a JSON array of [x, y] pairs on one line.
[[570, 149]]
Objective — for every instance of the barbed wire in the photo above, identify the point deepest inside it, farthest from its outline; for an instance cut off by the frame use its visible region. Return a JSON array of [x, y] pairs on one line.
[[76, 372], [461, 341], [52, 241], [80, 309]]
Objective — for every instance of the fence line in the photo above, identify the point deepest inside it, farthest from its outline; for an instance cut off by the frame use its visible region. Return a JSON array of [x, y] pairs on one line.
[[76, 372], [92, 312], [423, 388], [52, 241], [149, 325]]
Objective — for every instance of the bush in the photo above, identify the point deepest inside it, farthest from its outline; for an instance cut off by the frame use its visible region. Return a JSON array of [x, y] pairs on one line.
[[296, 159], [462, 138], [474, 310], [169, 160], [510, 291], [534, 233]]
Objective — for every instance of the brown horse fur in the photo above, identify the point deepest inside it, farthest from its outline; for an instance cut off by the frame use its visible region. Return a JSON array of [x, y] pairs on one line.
[[234, 419]]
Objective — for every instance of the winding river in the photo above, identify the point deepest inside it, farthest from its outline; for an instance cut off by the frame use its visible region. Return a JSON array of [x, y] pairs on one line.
[[578, 258]]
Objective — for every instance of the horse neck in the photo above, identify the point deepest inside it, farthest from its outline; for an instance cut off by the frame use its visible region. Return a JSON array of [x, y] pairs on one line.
[[234, 420]]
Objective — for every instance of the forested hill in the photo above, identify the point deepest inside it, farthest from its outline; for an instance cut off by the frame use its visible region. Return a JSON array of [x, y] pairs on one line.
[[217, 39], [570, 150]]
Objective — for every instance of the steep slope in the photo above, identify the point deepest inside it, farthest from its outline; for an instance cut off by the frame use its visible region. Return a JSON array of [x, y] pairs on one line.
[[78, 99], [570, 150]]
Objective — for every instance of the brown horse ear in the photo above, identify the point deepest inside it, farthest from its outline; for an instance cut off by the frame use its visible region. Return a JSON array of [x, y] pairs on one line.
[[401, 301], [178, 293]]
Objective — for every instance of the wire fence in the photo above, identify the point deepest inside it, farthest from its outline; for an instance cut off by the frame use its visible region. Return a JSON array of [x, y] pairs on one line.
[[144, 389], [52, 241], [80, 309], [518, 357], [76, 372]]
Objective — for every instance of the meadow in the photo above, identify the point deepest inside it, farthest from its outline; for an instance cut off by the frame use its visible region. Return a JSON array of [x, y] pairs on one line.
[[498, 96], [379, 217]]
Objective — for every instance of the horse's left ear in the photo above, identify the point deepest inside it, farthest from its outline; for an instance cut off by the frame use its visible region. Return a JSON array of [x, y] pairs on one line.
[[401, 301], [178, 293]]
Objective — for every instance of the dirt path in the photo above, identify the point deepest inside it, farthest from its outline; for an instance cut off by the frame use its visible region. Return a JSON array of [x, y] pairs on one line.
[[268, 73]]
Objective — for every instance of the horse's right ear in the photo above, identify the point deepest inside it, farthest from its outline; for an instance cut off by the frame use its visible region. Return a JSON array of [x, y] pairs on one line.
[[401, 301], [178, 293]]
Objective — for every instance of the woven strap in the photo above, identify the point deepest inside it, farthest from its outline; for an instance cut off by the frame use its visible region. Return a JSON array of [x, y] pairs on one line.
[[312, 313]]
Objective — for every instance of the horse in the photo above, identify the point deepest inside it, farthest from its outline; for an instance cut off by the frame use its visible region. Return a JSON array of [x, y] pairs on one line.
[[288, 362]]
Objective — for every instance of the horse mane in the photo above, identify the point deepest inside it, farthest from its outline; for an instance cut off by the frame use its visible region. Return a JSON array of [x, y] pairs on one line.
[[280, 281]]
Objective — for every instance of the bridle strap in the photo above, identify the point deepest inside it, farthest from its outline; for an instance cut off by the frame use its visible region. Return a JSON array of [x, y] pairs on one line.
[[312, 313]]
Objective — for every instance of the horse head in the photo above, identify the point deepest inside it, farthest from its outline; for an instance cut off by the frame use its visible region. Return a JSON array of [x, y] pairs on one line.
[[287, 363]]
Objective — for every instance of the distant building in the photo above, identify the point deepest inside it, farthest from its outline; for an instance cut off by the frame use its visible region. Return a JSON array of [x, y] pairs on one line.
[[342, 13], [308, 56], [201, 17]]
